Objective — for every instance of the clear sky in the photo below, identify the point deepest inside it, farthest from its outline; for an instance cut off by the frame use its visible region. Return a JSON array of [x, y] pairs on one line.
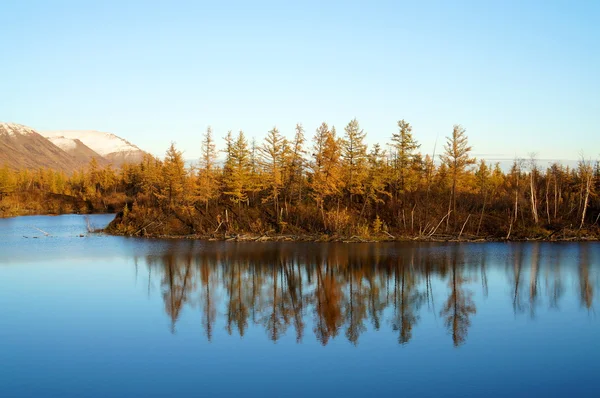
[[520, 76]]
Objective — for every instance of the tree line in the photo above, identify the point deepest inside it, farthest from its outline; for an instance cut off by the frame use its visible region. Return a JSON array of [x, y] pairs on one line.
[[336, 185], [93, 189], [329, 185]]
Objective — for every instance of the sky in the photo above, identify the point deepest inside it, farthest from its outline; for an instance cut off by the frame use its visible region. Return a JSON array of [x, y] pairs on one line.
[[520, 76]]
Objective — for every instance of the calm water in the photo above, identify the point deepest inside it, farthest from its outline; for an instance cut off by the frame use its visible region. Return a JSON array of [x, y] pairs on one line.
[[102, 316]]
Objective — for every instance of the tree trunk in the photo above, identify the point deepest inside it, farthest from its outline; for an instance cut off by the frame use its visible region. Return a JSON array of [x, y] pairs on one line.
[[588, 185], [482, 213], [534, 212]]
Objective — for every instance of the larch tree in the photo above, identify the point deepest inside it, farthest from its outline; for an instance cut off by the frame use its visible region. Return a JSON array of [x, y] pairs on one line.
[[354, 156], [377, 179], [457, 158], [174, 176], [295, 165], [483, 181], [207, 179], [326, 174], [228, 151], [513, 182], [239, 168], [317, 176], [272, 156], [255, 177], [404, 146]]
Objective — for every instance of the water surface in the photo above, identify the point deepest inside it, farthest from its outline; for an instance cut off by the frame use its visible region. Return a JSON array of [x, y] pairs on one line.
[[102, 316]]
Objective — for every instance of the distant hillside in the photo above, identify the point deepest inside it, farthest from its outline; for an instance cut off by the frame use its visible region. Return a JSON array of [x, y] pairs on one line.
[[111, 147], [78, 150], [22, 147]]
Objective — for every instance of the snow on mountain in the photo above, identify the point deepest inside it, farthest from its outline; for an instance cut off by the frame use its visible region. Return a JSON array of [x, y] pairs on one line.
[[22, 147], [66, 144], [78, 150], [14, 129], [100, 142]]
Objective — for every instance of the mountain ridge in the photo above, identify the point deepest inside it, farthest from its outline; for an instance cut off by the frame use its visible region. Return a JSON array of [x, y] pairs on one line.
[[23, 147], [111, 147]]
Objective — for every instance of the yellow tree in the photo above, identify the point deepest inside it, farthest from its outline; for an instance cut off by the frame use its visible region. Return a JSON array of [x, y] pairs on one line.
[[586, 177], [404, 146], [377, 178], [174, 176], [354, 156], [207, 181], [237, 169], [151, 178], [294, 165], [456, 158], [272, 154], [325, 175], [8, 181]]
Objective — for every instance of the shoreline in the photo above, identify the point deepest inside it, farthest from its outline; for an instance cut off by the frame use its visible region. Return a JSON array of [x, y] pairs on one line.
[[323, 238], [563, 235]]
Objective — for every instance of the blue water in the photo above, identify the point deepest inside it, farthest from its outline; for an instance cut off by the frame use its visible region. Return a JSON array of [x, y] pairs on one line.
[[89, 315]]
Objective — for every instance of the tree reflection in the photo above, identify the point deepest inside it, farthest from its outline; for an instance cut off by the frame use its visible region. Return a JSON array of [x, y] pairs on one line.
[[459, 306], [339, 290], [328, 308], [177, 284], [209, 309], [407, 301], [586, 289]]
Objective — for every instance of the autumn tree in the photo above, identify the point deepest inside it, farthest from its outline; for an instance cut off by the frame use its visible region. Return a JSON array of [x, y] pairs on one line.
[[174, 176], [237, 171], [456, 157], [325, 174], [404, 146], [295, 165], [377, 179], [8, 181], [354, 159], [483, 176], [149, 179], [586, 176], [272, 154], [533, 177], [207, 179]]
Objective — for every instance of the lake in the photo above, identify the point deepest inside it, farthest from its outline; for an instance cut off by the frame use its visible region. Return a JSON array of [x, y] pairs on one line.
[[90, 315]]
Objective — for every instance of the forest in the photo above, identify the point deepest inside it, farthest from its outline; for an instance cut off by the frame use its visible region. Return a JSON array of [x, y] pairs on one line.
[[94, 189], [331, 186]]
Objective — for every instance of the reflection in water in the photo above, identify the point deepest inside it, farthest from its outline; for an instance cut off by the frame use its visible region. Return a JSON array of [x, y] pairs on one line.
[[460, 305], [585, 286], [345, 290]]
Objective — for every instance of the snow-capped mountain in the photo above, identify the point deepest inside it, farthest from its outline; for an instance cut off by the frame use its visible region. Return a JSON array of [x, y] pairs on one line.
[[14, 130], [24, 147], [78, 149], [111, 147]]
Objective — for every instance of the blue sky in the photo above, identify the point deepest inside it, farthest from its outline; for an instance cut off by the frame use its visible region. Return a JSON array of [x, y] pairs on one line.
[[520, 76]]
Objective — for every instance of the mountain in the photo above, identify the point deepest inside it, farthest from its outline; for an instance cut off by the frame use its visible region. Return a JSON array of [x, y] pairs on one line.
[[78, 150], [112, 148], [22, 147]]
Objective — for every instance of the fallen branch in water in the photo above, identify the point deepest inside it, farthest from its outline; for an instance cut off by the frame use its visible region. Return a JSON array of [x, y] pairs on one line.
[[42, 231]]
